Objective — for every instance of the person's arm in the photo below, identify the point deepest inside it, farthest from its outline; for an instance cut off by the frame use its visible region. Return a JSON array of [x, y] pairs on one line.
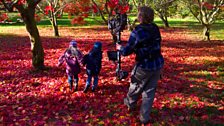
[[80, 57], [61, 60], [129, 48]]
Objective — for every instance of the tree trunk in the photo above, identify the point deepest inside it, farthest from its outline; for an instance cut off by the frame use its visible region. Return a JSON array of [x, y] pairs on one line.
[[56, 33], [206, 32], [54, 24], [164, 20], [36, 45]]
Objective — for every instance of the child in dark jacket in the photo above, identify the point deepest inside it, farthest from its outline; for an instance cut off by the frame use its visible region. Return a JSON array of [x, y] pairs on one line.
[[73, 58], [93, 65]]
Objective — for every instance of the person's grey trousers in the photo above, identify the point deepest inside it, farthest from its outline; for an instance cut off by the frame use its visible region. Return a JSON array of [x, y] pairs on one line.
[[143, 82]]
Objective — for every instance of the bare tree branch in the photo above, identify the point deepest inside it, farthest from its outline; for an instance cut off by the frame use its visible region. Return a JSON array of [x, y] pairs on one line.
[[32, 3], [9, 5], [61, 8], [36, 2], [40, 9], [106, 7], [215, 12], [192, 12], [55, 3], [135, 3], [101, 14]]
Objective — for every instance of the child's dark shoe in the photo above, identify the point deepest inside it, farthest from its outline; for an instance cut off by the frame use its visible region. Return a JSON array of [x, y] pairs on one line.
[[70, 87], [93, 89], [148, 123], [76, 87]]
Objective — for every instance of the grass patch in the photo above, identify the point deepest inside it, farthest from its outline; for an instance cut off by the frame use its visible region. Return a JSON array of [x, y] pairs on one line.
[[217, 31], [65, 21], [201, 73], [220, 69], [217, 74]]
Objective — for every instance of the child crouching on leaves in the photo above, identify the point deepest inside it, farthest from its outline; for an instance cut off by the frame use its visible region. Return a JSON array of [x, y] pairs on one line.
[[93, 60], [73, 57]]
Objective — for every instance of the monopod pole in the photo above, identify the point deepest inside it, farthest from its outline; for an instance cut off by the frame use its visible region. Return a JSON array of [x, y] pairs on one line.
[[118, 56]]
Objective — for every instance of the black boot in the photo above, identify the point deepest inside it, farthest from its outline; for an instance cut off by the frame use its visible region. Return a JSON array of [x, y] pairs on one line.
[[76, 87], [70, 86], [86, 88], [93, 89]]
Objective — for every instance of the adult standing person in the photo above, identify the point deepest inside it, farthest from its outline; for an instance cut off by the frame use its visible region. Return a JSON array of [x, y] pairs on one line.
[[145, 42]]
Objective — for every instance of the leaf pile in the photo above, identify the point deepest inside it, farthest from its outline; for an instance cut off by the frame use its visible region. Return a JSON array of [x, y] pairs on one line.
[[190, 92]]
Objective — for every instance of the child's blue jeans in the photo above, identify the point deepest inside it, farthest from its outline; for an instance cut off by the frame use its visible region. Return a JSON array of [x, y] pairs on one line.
[[70, 80], [95, 81]]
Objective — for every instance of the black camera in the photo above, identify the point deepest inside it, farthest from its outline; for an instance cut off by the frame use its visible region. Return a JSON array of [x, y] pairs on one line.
[[117, 23], [113, 56], [122, 75]]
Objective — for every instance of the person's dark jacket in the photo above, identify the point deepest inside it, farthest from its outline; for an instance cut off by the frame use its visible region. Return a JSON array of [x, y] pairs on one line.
[[145, 42], [93, 61]]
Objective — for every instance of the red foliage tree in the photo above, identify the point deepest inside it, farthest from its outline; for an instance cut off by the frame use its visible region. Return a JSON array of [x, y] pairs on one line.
[[106, 9], [80, 9], [26, 8], [52, 9]]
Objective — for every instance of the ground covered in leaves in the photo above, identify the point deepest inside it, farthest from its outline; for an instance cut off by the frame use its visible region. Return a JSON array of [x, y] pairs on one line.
[[190, 92]]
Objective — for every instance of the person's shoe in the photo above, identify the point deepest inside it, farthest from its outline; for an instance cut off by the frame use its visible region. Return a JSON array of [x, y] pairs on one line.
[[130, 107], [93, 89], [76, 87], [70, 87], [86, 89], [148, 123]]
